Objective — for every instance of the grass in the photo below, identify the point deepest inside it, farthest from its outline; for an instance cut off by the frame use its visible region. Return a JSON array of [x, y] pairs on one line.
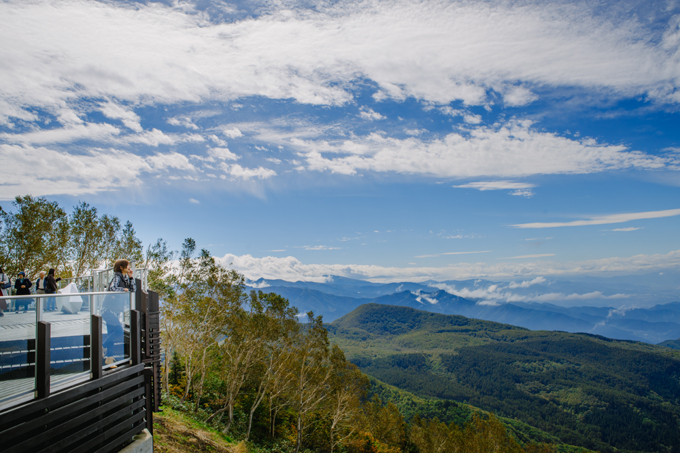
[[175, 432]]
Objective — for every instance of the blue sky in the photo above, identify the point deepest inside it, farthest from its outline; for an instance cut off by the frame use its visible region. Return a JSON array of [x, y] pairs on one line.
[[386, 140]]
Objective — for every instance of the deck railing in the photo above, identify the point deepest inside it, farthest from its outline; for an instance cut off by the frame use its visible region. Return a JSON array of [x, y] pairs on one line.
[[46, 343], [58, 391]]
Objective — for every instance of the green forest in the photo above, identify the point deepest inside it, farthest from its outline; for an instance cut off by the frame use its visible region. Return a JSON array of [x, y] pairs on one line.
[[584, 390]]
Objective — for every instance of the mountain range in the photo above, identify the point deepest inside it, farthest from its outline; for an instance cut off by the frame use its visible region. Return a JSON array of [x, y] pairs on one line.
[[581, 389], [515, 303]]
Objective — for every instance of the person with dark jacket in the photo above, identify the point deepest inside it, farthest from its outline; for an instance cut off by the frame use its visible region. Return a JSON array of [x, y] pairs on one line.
[[51, 288], [23, 287], [113, 307]]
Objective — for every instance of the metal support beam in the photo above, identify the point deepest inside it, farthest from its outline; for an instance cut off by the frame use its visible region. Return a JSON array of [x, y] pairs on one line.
[[42, 360], [148, 388], [96, 346], [135, 337]]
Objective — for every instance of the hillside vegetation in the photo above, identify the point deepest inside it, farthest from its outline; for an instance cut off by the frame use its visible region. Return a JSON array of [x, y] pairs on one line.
[[585, 390]]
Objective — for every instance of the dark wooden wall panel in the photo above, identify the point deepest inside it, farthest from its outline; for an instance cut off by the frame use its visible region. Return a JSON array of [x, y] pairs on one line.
[[100, 415]]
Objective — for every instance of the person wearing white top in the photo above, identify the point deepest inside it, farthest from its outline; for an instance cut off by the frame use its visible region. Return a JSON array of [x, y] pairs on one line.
[[4, 281]]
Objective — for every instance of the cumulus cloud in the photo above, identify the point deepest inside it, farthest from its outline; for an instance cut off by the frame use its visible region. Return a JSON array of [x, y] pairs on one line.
[[238, 172], [129, 118], [222, 154], [527, 283], [513, 149], [369, 114], [290, 268], [605, 219], [44, 171]]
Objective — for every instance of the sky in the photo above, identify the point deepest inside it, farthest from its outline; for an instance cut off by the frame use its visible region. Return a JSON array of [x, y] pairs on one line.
[[382, 140]]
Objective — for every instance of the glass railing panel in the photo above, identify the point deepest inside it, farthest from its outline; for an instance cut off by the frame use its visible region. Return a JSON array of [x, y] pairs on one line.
[[69, 319], [17, 349], [114, 308]]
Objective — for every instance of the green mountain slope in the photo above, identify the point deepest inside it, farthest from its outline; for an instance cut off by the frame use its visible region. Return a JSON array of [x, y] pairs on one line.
[[585, 390], [673, 344]]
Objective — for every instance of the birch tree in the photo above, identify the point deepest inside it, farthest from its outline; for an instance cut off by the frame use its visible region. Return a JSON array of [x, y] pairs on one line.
[[347, 387], [312, 373]]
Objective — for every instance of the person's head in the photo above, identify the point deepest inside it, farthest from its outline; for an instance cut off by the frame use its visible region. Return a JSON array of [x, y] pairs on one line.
[[22, 274], [50, 272], [121, 266], [42, 274]]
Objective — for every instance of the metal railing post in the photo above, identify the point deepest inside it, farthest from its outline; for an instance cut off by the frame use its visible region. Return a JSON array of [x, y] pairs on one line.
[[135, 338], [42, 360], [38, 311], [96, 346]]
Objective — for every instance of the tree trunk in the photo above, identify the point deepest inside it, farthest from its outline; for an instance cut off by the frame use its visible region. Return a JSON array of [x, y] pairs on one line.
[[298, 442]]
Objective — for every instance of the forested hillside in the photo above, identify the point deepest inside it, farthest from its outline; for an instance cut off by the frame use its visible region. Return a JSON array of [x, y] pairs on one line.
[[585, 390]]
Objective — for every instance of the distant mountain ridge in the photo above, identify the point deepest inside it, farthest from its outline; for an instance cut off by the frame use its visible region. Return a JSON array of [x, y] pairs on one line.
[[340, 295], [586, 390]]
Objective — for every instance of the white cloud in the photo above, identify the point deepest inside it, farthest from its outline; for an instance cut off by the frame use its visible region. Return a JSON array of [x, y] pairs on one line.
[[239, 172], [496, 185], [182, 120], [518, 96], [44, 171], [194, 201], [527, 283], [510, 150], [369, 114], [451, 253], [541, 255], [604, 220], [471, 118], [231, 132], [290, 268], [526, 193], [435, 51], [319, 247], [129, 118], [628, 229], [222, 154], [73, 132]]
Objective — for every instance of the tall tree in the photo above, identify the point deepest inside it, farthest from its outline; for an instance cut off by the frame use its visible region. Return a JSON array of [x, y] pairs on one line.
[[85, 239], [277, 325], [312, 373], [129, 246], [34, 237], [348, 386]]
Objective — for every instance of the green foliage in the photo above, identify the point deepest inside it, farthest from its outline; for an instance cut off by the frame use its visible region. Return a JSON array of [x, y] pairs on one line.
[[38, 235], [581, 389], [34, 237]]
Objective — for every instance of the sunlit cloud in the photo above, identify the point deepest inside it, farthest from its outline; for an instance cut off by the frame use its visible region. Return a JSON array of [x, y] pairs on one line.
[[605, 219], [540, 255], [291, 269]]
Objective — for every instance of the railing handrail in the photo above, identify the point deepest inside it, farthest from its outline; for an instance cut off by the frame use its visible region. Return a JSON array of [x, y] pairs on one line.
[[42, 296]]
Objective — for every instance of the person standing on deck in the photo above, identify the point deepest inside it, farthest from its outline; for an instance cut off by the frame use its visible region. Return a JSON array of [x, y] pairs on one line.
[[40, 288], [23, 287], [51, 288], [112, 307], [5, 289]]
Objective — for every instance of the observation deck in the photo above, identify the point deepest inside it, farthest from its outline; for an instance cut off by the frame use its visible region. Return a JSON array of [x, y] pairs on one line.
[[84, 377]]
